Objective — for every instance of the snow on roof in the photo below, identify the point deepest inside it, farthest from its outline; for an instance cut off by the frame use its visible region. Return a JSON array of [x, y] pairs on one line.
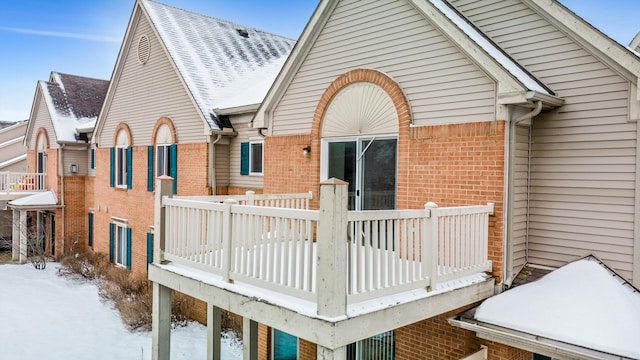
[[73, 102], [47, 198], [214, 56], [491, 48], [582, 303]]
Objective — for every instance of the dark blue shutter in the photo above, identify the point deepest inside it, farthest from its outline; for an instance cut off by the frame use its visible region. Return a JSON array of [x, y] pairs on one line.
[[111, 241], [244, 158], [112, 170], [129, 166], [93, 158], [149, 248], [150, 168], [90, 232], [173, 166], [128, 261]]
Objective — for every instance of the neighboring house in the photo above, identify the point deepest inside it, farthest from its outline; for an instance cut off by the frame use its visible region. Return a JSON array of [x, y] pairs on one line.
[[518, 103], [184, 89], [13, 159], [62, 117]]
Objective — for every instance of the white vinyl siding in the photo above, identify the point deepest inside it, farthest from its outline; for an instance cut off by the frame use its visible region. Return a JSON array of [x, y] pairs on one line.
[[441, 84], [144, 93], [584, 153]]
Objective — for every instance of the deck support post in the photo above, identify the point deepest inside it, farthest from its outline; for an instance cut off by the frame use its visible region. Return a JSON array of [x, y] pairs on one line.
[[323, 353], [430, 253], [164, 187], [249, 339], [161, 323], [214, 332], [19, 246], [332, 249]]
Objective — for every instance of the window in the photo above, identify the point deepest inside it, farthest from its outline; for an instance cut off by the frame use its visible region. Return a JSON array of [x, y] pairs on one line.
[[255, 158], [251, 159], [162, 160], [285, 346], [120, 158], [120, 244], [379, 347], [121, 167]]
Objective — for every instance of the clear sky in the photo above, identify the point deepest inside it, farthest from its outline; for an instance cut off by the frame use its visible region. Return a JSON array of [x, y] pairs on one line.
[[83, 37]]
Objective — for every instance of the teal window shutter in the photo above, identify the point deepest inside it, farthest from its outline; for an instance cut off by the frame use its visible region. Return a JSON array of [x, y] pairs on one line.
[[244, 158], [128, 248], [112, 164], [93, 158], [173, 166], [111, 241], [149, 248], [129, 166], [150, 174], [90, 229]]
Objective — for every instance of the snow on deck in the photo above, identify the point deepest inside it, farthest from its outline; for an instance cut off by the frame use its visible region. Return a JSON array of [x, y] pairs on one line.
[[582, 303]]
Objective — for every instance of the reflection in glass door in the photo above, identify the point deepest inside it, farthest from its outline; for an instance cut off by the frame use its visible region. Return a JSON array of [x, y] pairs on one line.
[[369, 166]]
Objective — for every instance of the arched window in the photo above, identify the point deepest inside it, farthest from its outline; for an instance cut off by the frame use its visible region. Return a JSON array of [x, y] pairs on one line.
[[163, 154], [121, 159]]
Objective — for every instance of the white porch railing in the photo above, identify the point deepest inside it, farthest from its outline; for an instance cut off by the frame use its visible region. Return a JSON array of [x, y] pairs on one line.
[[22, 181], [385, 251]]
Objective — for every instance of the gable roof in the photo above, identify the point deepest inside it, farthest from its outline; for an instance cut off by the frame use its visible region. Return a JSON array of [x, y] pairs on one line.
[[211, 57], [581, 308], [72, 101], [515, 84]]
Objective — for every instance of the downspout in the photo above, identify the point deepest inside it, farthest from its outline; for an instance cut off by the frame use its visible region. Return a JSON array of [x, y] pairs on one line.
[[212, 164], [61, 173], [511, 141]]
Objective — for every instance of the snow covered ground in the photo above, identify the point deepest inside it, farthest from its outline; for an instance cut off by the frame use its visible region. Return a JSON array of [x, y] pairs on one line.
[[45, 316]]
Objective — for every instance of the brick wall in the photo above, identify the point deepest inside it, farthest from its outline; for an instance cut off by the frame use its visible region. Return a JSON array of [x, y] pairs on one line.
[[75, 214], [136, 204]]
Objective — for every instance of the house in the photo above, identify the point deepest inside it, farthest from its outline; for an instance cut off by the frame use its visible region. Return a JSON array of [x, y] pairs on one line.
[[436, 105], [12, 159], [56, 136], [180, 100]]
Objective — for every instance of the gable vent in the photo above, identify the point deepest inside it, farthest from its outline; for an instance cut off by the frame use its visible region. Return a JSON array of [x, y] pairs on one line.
[[143, 49]]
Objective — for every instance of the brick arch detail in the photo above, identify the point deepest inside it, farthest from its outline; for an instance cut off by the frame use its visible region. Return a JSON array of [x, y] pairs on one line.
[[46, 137], [164, 121], [403, 110], [125, 127]]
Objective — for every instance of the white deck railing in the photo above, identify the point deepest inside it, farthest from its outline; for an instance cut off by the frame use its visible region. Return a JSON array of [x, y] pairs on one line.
[[385, 251], [22, 181]]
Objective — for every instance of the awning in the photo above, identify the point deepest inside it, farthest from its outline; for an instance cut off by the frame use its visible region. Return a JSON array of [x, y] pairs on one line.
[[583, 310], [41, 201]]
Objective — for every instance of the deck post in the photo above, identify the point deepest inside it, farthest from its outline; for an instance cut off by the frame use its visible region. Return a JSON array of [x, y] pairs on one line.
[[15, 237], [251, 197], [214, 332], [431, 260], [322, 353], [164, 187], [332, 249], [227, 235], [249, 339], [161, 323], [24, 237]]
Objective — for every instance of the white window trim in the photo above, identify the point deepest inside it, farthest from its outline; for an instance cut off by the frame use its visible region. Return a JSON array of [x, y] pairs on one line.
[[120, 178], [251, 172], [120, 230], [166, 158]]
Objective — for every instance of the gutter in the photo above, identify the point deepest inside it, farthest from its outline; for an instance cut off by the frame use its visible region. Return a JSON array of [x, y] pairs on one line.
[[61, 173], [530, 342]]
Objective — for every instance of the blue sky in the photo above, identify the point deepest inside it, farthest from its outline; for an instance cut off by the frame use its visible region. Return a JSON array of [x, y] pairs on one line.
[[83, 37]]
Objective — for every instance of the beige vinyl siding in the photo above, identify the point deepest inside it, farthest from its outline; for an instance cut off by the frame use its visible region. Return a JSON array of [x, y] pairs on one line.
[[144, 93], [78, 157], [13, 131], [520, 204], [584, 153], [43, 120], [245, 134], [11, 148], [441, 84], [222, 159]]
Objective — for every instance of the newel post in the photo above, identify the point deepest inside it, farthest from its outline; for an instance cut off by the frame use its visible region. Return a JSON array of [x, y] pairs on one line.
[[431, 259], [227, 237], [332, 249], [164, 187], [251, 197]]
